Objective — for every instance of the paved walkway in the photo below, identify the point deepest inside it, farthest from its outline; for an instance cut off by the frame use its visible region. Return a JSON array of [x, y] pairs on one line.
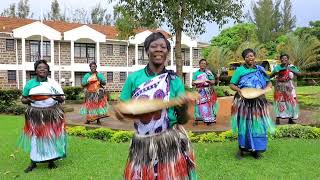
[[223, 119]]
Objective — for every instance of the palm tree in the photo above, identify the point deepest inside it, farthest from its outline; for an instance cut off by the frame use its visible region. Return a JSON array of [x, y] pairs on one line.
[[218, 57], [304, 49], [261, 52]]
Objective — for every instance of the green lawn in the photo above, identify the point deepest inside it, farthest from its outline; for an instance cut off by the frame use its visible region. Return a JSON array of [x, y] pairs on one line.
[[93, 159]]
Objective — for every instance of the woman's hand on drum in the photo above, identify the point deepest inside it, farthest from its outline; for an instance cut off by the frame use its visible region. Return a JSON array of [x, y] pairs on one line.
[[60, 99], [27, 100]]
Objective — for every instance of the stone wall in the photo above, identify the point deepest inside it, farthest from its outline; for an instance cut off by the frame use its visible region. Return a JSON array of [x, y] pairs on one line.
[[7, 56], [5, 84], [116, 85], [65, 53], [116, 59]]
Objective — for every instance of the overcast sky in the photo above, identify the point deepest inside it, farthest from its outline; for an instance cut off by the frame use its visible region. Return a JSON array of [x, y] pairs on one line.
[[305, 11]]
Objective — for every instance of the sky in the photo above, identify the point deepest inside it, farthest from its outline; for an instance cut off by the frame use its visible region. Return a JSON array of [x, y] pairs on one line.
[[305, 11]]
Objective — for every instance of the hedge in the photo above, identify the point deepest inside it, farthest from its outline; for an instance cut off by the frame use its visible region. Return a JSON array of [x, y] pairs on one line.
[[284, 131]]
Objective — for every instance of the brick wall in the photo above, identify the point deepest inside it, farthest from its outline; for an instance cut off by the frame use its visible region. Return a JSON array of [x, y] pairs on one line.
[[116, 85], [4, 84], [65, 53], [112, 60], [7, 56], [131, 55]]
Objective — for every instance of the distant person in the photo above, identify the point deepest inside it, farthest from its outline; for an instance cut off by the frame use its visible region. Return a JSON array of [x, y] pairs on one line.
[[95, 106], [250, 117], [285, 98], [206, 107]]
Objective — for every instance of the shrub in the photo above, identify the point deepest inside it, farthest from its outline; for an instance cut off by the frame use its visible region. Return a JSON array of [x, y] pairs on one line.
[[77, 131], [15, 109], [296, 131], [209, 138], [73, 93], [228, 135], [122, 136], [193, 137], [106, 134], [219, 91], [9, 97], [100, 133], [113, 96]]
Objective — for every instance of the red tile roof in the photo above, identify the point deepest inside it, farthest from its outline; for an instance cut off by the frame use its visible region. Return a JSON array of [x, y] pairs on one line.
[[7, 24]]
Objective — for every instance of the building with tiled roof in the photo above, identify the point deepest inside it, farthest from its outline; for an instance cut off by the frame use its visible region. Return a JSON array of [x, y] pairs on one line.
[[70, 47]]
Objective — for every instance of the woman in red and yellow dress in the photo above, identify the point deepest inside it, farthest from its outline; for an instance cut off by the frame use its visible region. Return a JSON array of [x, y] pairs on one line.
[[96, 101]]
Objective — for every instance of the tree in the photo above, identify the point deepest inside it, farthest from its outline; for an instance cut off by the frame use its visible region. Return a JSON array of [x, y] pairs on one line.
[[261, 51], [270, 22], [80, 15], [304, 49], [218, 57], [288, 21], [262, 10], [126, 24], [232, 37], [182, 15], [277, 15], [9, 12], [99, 15], [55, 11], [23, 9], [314, 29]]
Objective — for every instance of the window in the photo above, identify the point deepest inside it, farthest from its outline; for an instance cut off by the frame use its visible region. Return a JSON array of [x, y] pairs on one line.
[[10, 44], [35, 47], [109, 76], [83, 50], [109, 49], [140, 53], [196, 54], [46, 48], [123, 76], [12, 76], [122, 50], [34, 51]]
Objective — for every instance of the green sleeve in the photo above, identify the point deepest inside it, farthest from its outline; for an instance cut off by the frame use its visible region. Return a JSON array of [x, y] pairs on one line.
[[235, 77], [101, 77], [211, 77], [194, 77], [294, 68], [178, 88], [126, 93], [85, 79], [177, 114], [26, 89], [276, 69]]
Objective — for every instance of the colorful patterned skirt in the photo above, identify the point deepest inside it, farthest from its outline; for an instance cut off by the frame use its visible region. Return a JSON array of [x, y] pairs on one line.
[[162, 156], [44, 134], [96, 105], [250, 119], [285, 101], [207, 107]]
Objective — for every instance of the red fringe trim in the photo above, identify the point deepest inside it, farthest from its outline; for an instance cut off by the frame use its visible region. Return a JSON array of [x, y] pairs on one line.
[[179, 170], [96, 105], [279, 96], [44, 130]]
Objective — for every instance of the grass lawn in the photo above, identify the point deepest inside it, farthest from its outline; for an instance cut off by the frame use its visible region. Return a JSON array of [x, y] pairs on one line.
[[93, 159]]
